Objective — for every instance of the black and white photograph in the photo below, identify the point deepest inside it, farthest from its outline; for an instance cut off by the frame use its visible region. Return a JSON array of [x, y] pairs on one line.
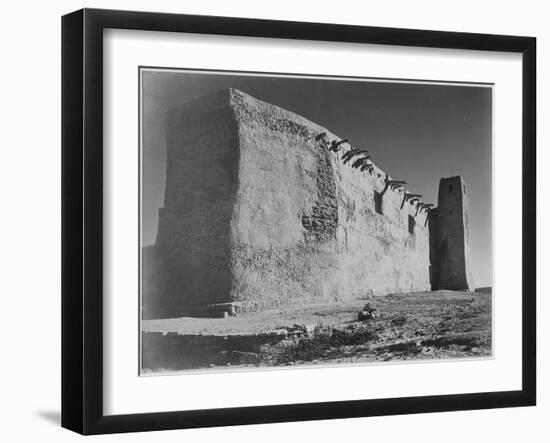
[[293, 220]]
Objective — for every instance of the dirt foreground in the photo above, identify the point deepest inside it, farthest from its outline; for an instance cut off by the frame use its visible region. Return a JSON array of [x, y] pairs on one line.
[[428, 325]]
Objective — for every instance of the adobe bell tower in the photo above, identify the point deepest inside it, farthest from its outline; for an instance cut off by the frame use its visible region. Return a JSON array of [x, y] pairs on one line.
[[450, 238]]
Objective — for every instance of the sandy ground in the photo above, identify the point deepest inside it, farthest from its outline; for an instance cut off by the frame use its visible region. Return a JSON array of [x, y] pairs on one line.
[[430, 325]]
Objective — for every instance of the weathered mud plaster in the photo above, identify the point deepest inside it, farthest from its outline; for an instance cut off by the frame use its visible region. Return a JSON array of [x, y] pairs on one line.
[[259, 212]]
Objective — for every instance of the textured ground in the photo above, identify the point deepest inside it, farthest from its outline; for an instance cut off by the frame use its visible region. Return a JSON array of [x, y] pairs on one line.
[[432, 325]]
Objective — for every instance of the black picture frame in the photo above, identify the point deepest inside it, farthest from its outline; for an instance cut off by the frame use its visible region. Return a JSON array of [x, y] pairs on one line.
[[82, 220]]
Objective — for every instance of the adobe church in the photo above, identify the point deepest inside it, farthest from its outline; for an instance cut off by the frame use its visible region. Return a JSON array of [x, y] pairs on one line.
[[264, 208]]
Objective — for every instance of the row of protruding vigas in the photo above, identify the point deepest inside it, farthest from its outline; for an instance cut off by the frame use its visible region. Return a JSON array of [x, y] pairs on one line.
[[361, 160]]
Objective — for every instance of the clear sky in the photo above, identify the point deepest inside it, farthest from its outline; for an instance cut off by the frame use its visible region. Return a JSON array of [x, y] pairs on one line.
[[414, 132]]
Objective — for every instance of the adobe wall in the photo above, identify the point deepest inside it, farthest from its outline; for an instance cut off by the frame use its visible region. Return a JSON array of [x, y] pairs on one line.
[[259, 212], [191, 254], [305, 227]]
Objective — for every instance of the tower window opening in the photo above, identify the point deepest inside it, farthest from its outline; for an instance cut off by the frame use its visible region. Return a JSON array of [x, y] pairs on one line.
[[450, 188]]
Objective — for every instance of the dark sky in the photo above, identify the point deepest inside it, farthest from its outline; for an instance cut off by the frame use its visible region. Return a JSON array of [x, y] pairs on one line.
[[414, 132]]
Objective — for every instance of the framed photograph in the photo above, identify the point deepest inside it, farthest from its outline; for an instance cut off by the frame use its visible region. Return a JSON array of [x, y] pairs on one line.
[[270, 221]]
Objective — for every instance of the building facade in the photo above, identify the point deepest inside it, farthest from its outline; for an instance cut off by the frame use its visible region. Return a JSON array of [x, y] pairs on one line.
[[264, 208]]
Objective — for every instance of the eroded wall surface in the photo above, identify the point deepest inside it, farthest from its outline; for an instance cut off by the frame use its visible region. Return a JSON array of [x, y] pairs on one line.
[[305, 226]]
